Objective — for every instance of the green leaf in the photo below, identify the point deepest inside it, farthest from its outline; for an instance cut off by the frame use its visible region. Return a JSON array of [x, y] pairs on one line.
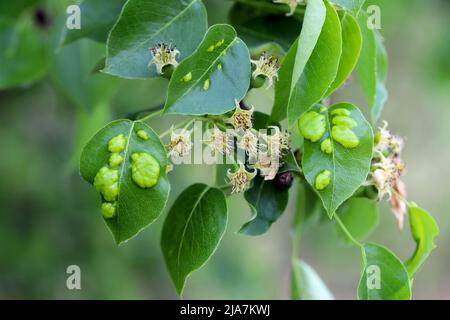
[[306, 283], [213, 77], [360, 216], [383, 277], [348, 165], [267, 204], [97, 19], [424, 230], [258, 25], [71, 74], [136, 207], [279, 109], [262, 121], [353, 5], [289, 163], [314, 71], [351, 48], [142, 24], [13, 9], [24, 56], [372, 68], [295, 61], [86, 125], [192, 231]]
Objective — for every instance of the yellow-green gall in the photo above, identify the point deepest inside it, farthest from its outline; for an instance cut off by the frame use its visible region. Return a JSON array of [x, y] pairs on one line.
[[344, 121], [312, 126], [108, 210], [219, 43], [326, 146], [206, 85], [340, 112], [322, 180], [211, 48], [187, 77], [142, 134], [145, 170], [345, 136], [117, 144], [105, 182], [323, 109], [115, 160]]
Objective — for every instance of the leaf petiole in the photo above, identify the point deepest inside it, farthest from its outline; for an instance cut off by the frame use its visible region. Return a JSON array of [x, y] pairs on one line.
[[345, 230]]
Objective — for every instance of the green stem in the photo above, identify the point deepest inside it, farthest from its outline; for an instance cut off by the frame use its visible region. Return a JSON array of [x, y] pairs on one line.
[[151, 115], [297, 222], [347, 233], [185, 124]]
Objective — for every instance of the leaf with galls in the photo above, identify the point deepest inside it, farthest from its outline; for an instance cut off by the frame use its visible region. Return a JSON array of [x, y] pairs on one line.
[[336, 162], [130, 174]]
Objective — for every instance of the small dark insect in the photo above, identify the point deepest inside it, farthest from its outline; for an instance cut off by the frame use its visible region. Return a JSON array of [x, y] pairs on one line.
[[283, 181], [244, 106], [41, 18]]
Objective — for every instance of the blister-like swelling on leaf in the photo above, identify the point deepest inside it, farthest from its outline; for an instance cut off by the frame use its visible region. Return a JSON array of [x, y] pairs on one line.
[[144, 170], [322, 180], [267, 204], [312, 125], [135, 207], [192, 231], [105, 182], [327, 146], [306, 284], [349, 162], [351, 48], [372, 68], [142, 24], [213, 77], [345, 136], [340, 112], [115, 160], [424, 230], [108, 210], [344, 121], [97, 17], [383, 276], [117, 144], [142, 134], [312, 76]]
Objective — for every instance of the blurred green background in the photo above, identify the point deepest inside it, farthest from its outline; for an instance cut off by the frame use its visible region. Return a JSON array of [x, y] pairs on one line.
[[50, 219]]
